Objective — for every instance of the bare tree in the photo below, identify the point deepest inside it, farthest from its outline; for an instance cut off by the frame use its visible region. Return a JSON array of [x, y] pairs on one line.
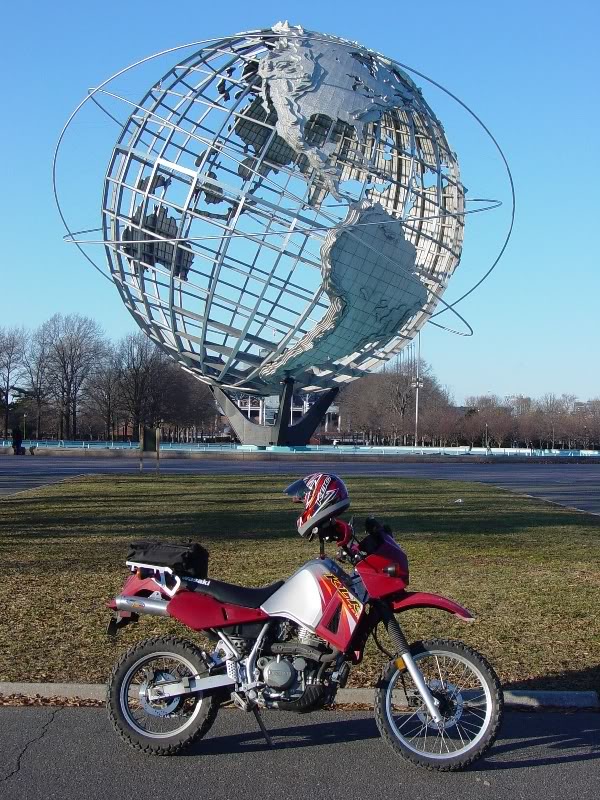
[[397, 385], [141, 367], [12, 350], [593, 415], [188, 405], [483, 402], [438, 419], [75, 346], [362, 407], [471, 427], [501, 425], [36, 369], [554, 416], [380, 407], [520, 404], [103, 396]]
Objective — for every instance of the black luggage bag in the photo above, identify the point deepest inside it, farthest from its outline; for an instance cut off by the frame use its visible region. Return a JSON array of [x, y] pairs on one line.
[[184, 559]]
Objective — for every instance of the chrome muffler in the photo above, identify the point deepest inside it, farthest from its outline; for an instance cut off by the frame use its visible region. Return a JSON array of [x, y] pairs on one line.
[[141, 605]]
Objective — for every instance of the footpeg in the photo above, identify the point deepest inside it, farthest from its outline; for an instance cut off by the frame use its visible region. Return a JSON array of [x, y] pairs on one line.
[[240, 702]]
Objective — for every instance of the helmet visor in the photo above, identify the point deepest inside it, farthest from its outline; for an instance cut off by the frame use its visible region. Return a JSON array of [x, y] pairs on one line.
[[297, 491]]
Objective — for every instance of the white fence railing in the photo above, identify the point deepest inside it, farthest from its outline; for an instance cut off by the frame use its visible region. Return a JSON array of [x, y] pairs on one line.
[[203, 447]]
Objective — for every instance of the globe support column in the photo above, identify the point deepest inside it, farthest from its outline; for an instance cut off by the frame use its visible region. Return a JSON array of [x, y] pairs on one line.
[[282, 433]]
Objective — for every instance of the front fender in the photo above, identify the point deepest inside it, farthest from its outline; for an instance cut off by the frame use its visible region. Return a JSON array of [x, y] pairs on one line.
[[408, 600]]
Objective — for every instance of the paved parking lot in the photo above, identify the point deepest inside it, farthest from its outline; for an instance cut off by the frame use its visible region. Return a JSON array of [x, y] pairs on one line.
[[65, 753], [576, 485]]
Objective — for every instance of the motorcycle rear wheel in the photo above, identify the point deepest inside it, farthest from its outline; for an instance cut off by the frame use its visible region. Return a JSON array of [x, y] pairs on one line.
[[159, 727], [469, 696]]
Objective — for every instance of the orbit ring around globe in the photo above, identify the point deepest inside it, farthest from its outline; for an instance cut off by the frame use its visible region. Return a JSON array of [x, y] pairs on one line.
[[281, 206]]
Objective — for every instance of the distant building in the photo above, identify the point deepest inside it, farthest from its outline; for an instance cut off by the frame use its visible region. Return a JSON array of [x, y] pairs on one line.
[[263, 410]]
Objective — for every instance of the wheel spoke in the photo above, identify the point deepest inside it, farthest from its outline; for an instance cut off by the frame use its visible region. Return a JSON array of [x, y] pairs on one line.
[[454, 668], [419, 732], [442, 742], [439, 671], [409, 718], [459, 725], [474, 713], [459, 733], [474, 701], [467, 725], [457, 685]]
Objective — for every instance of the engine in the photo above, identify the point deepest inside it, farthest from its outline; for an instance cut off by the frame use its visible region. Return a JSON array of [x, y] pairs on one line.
[[299, 670], [283, 673], [295, 668]]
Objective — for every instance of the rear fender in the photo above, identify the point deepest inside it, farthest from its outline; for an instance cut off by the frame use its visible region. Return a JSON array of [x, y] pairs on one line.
[[138, 586], [408, 600]]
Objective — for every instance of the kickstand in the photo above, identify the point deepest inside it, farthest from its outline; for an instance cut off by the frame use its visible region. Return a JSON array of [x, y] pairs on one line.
[[261, 725]]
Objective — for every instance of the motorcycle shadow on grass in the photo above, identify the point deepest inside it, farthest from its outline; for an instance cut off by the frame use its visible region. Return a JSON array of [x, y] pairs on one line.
[[523, 743]]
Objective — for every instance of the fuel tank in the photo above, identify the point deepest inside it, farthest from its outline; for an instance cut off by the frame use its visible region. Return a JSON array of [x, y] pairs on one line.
[[306, 595]]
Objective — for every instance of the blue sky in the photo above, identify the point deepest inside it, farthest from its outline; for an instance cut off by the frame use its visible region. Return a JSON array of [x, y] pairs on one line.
[[529, 69]]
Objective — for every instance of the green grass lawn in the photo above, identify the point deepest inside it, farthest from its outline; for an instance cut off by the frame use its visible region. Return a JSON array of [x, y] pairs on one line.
[[530, 571]]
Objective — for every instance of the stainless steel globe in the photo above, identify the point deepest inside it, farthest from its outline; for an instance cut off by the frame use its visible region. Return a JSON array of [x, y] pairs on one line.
[[282, 206]]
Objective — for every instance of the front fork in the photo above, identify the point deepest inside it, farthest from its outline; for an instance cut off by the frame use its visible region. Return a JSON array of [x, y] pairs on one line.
[[403, 650]]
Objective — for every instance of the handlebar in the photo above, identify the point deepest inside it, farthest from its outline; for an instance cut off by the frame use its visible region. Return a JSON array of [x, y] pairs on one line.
[[349, 547]]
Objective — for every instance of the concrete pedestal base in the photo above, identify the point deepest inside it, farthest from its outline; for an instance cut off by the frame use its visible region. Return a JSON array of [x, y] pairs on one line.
[[282, 433]]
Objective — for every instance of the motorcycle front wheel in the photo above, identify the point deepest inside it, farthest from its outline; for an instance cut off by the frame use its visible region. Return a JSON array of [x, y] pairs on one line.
[[159, 727], [469, 698]]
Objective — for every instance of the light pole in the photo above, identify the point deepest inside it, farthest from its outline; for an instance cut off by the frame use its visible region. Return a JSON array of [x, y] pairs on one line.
[[417, 384], [486, 436], [24, 426]]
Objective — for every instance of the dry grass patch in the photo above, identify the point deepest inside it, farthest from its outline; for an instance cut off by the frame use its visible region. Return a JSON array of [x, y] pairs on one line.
[[530, 571]]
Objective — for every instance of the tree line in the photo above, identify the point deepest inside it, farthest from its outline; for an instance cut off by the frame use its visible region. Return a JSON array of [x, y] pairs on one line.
[[67, 380], [381, 408]]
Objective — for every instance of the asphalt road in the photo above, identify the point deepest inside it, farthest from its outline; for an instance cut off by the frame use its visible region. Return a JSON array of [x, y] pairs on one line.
[[65, 753], [575, 485]]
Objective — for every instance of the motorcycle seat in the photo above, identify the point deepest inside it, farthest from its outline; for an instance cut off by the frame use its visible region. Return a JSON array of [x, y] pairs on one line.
[[236, 595]]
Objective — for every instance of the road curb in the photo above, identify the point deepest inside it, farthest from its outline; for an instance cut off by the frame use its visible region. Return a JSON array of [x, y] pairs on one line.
[[82, 691], [513, 698]]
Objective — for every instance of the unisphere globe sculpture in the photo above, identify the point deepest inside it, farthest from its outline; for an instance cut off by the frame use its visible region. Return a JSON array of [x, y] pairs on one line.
[[282, 207]]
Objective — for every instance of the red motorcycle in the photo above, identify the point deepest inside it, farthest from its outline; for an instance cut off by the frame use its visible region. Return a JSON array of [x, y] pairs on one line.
[[290, 645]]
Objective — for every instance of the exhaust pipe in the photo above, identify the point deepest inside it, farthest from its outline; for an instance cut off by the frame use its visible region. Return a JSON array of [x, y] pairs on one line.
[[141, 605]]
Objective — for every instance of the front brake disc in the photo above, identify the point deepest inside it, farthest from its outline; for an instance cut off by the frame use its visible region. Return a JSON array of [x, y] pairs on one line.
[[451, 705]]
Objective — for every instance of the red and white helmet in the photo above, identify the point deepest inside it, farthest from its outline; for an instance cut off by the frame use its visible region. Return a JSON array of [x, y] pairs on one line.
[[324, 497]]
